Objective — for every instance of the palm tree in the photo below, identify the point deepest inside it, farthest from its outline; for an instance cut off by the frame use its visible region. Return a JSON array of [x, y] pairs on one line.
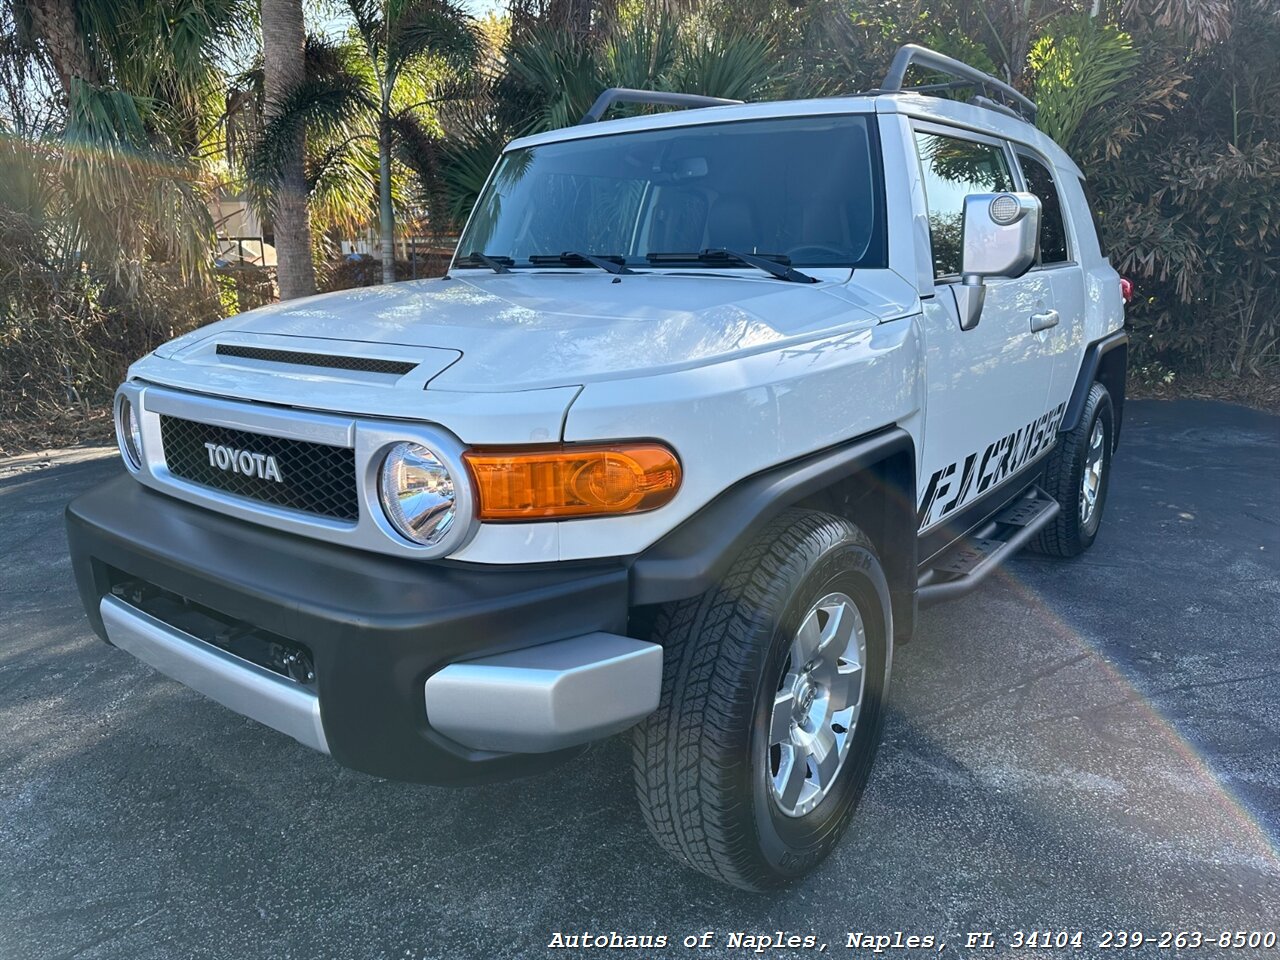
[[400, 36], [109, 129], [128, 133], [284, 71], [56, 24], [550, 76], [371, 89], [656, 51]]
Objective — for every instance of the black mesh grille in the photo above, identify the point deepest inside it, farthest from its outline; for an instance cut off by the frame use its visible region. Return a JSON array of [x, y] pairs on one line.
[[314, 477], [367, 364]]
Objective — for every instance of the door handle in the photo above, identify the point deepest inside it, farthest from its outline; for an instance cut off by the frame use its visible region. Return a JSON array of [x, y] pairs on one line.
[[1043, 321]]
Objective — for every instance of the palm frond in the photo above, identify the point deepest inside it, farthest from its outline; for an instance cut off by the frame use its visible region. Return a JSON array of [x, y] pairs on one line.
[[1200, 23], [342, 182], [1080, 66], [640, 52], [327, 57], [129, 197], [562, 73], [370, 24], [421, 149], [437, 29], [466, 163], [28, 227], [739, 66], [324, 106]]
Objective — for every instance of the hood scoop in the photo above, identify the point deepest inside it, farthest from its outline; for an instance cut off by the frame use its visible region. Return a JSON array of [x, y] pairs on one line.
[[237, 363], [332, 361]]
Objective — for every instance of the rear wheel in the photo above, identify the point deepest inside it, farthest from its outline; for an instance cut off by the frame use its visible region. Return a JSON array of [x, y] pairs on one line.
[[772, 703], [1077, 476]]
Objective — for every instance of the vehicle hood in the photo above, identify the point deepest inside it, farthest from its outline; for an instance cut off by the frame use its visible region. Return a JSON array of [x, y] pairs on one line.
[[527, 330]]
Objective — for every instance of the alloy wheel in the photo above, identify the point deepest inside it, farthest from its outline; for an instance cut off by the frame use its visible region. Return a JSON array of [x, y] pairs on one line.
[[1091, 481], [816, 707]]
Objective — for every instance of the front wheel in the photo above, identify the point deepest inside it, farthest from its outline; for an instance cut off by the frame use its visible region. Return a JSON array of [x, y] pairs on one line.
[[772, 703]]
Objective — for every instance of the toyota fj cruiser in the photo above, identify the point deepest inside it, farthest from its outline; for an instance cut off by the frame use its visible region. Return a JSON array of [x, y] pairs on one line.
[[707, 404]]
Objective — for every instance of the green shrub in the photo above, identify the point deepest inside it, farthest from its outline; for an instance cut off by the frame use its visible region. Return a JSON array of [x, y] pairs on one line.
[[66, 344]]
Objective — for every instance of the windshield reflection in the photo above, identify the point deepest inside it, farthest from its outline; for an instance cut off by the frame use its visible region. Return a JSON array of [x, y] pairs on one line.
[[799, 191]]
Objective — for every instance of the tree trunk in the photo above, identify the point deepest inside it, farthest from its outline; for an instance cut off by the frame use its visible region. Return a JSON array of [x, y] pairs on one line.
[[284, 69], [58, 29], [386, 213]]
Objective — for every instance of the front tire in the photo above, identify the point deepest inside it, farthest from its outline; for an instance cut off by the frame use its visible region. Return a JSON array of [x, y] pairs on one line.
[[1077, 476], [772, 705]]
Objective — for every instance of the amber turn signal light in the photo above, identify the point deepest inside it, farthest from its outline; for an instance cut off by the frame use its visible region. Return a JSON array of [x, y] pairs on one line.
[[570, 480]]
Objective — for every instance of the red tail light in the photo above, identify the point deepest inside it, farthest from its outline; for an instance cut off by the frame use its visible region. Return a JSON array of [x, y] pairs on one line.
[[1126, 289]]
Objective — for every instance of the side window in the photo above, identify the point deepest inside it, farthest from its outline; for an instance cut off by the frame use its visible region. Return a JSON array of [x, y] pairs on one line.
[[952, 169], [1053, 232]]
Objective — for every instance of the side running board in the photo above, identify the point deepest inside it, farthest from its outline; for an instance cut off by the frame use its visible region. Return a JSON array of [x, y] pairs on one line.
[[967, 564]]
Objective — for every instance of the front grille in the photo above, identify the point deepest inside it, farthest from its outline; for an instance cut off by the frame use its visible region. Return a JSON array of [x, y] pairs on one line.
[[366, 364], [314, 477]]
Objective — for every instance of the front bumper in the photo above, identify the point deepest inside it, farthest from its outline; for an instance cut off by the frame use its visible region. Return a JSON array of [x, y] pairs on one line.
[[528, 659]]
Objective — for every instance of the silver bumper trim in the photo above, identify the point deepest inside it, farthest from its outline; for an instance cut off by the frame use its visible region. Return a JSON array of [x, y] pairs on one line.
[[547, 697], [241, 686]]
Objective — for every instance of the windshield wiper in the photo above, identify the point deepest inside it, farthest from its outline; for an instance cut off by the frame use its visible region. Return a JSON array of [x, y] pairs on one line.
[[612, 264], [774, 264], [477, 259]]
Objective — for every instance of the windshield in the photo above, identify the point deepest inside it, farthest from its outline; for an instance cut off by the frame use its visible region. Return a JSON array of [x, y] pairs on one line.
[[800, 190]]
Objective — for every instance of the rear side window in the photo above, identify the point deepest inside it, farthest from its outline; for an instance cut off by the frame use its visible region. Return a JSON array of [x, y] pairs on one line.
[[1053, 231], [952, 169]]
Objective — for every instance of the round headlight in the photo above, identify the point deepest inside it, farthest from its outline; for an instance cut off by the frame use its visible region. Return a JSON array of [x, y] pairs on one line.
[[129, 433], [418, 493]]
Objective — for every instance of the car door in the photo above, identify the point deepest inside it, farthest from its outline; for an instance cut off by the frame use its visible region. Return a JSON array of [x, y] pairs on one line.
[[986, 388], [1057, 261]]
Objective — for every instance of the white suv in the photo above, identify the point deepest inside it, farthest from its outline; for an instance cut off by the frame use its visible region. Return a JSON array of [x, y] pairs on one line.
[[707, 403]]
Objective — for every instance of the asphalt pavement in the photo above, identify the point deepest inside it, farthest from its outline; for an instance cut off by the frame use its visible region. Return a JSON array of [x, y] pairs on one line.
[[1090, 746]]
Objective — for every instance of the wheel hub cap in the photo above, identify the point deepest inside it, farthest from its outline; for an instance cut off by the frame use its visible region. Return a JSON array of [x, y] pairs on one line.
[[1091, 481], [816, 707]]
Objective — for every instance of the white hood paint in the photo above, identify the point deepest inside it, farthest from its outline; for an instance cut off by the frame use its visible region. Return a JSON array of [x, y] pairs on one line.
[[531, 330]]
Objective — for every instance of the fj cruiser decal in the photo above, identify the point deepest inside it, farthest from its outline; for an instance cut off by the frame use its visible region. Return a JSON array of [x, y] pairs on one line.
[[1001, 459]]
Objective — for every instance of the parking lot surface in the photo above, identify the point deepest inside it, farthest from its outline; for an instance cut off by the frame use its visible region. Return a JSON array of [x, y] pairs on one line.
[[1089, 745]]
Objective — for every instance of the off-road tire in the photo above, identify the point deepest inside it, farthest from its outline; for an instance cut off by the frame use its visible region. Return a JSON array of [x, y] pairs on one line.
[[1067, 535], [698, 759]]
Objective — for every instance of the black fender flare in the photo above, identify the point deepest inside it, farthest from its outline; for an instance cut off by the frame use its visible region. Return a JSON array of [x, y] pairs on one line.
[[1106, 360], [695, 556]]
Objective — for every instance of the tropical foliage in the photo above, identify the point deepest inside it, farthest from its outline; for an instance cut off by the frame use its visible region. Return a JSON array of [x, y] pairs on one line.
[[1182, 152], [120, 118], [110, 116], [547, 76], [371, 93], [118, 103]]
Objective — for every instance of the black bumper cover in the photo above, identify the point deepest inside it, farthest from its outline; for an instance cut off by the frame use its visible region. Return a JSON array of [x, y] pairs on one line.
[[376, 626]]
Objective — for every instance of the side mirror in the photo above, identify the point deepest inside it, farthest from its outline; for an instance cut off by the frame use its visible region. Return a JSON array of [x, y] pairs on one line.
[[999, 236]]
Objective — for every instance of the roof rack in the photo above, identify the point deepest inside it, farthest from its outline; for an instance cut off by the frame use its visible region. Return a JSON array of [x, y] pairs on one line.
[[993, 94], [624, 95]]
